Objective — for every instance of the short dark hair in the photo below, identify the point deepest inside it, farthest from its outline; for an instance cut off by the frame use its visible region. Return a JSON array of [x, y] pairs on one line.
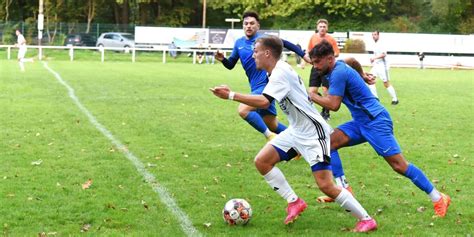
[[323, 49], [273, 43], [251, 14]]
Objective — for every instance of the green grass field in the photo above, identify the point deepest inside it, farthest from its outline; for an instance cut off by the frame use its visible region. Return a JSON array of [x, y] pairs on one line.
[[201, 152]]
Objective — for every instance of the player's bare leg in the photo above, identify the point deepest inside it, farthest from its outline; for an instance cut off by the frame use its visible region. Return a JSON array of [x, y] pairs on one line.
[[323, 178], [265, 163]]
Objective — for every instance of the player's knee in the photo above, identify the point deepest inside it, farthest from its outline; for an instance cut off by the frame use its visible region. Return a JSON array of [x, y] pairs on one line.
[[243, 113]]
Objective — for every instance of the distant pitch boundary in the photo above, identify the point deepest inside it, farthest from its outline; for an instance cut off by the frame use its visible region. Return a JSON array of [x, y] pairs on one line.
[[163, 194]]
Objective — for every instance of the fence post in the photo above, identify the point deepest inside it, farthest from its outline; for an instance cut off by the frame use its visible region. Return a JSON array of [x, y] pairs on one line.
[[102, 54], [71, 53], [164, 55], [9, 52], [133, 54], [40, 54]]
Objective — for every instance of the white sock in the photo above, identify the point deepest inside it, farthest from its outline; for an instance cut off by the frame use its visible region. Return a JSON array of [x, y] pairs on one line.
[[22, 66], [348, 202], [392, 93], [267, 133], [342, 182], [435, 195], [278, 183], [373, 89]]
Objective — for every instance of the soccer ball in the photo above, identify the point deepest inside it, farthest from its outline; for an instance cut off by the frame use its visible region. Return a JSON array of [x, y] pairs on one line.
[[237, 212]]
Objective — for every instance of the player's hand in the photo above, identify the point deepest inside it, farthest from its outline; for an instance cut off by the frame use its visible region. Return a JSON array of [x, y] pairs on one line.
[[219, 56], [369, 78], [221, 91], [372, 60], [307, 59]]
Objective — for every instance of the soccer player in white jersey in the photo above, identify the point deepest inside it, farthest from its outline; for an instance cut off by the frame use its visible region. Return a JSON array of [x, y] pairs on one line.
[[308, 134], [21, 44], [380, 68]]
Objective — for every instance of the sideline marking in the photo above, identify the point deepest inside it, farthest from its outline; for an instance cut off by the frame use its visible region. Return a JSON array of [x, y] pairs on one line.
[[162, 192]]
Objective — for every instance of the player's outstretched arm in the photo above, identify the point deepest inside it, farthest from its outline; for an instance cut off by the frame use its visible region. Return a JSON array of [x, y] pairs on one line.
[[257, 101], [292, 47], [330, 102]]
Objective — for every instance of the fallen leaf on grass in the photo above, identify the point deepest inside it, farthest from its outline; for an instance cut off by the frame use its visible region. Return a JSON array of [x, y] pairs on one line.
[[207, 224], [145, 205], [87, 184], [85, 227], [421, 209], [150, 165], [37, 162]]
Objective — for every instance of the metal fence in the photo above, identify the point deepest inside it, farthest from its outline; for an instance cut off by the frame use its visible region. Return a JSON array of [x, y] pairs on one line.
[[54, 34]]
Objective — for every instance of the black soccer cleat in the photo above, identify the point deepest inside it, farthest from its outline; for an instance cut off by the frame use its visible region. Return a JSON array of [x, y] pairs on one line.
[[395, 102]]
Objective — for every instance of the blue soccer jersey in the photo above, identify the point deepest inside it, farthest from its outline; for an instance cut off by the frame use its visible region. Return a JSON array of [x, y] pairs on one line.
[[347, 83], [243, 50]]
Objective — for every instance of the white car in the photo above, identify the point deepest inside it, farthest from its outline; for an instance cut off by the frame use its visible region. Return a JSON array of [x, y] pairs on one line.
[[116, 40]]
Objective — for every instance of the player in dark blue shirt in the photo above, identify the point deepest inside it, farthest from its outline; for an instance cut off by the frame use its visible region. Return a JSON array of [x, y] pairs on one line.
[[263, 120], [370, 122]]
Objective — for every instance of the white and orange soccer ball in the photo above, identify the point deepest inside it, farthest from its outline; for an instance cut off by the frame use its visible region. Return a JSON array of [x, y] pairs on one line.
[[237, 211]]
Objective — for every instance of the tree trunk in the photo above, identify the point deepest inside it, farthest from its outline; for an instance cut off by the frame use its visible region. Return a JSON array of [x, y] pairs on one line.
[[125, 9], [90, 14], [143, 9], [7, 7], [116, 13]]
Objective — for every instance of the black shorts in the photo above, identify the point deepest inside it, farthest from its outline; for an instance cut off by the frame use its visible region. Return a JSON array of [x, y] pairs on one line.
[[316, 80]]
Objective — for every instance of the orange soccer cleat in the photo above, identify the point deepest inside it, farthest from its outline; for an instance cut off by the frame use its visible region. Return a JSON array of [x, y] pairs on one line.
[[441, 206]]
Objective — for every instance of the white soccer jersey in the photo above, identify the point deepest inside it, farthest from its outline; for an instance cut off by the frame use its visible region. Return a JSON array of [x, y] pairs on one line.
[[308, 132], [378, 50], [21, 40]]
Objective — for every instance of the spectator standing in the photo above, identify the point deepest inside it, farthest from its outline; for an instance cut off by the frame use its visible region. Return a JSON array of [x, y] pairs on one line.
[[315, 79], [209, 56], [172, 48], [421, 56]]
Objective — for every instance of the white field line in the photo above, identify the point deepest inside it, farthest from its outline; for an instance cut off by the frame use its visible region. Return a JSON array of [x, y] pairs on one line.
[[162, 192]]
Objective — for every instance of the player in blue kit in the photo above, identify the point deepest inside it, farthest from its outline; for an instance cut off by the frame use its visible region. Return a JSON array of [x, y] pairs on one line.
[[370, 122], [263, 120]]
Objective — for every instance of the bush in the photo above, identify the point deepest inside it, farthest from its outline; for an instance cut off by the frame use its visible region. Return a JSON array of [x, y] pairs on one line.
[[354, 46]]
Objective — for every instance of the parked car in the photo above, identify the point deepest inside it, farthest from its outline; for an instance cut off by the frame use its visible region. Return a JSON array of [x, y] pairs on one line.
[[80, 39], [117, 40]]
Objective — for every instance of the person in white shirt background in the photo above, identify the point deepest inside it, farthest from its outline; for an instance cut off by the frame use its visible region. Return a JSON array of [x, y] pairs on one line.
[[380, 68]]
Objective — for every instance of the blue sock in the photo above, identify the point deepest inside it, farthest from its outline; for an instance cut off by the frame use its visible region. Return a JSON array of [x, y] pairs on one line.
[[254, 119], [337, 170], [280, 128], [418, 178]]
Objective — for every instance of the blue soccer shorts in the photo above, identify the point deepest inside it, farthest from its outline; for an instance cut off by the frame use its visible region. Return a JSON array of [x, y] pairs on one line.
[[271, 110], [378, 133]]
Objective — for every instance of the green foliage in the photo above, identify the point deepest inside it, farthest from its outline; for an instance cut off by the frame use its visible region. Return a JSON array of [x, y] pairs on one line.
[[354, 46], [432, 16], [8, 36], [467, 26], [400, 24]]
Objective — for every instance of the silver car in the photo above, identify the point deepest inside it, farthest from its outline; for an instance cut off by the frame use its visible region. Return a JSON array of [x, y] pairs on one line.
[[116, 40]]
